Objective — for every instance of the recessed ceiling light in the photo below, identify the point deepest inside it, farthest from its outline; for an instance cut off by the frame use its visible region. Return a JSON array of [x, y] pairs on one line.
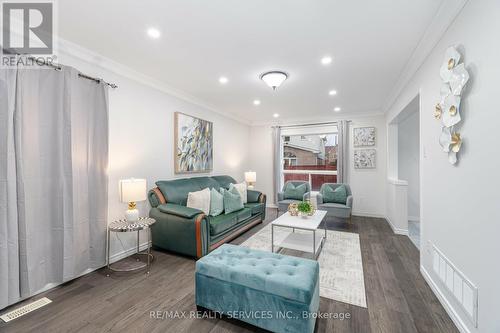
[[276, 115], [337, 109], [223, 80], [154, 33], [332, 92], [326, 60], [256, 102]]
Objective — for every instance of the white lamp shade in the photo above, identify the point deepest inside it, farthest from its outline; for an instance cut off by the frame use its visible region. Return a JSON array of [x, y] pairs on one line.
[[132, 190], [250, 176]]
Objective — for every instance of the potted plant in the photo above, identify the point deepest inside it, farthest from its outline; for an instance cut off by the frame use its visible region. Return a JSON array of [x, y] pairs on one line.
[[305, 209]]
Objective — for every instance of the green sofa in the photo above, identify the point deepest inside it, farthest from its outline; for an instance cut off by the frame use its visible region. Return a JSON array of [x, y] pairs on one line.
[[189, 231]]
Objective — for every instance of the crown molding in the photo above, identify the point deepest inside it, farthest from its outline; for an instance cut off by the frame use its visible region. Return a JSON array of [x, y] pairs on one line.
[[444, 17], [74, 50], [318, 119]]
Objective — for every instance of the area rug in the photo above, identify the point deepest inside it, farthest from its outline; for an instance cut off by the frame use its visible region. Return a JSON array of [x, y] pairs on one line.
[[340, 265]]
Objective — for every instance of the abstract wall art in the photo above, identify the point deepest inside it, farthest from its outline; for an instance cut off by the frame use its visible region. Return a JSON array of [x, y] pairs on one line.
[[365, 158], [193, 139], [364, 136]]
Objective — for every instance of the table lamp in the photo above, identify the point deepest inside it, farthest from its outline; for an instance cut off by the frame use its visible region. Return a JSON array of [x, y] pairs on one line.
[[250, 178], [132, 190]]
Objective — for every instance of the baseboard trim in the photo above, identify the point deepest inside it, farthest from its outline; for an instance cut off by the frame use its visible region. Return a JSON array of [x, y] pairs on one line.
[[444, 302], [414, 218], [397, 231], [362, 214]]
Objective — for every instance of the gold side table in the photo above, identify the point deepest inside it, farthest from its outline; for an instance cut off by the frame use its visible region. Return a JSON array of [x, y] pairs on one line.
[[144, 223]]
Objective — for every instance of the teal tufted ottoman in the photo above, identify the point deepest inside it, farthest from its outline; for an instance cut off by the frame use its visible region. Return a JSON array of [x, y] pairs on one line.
[[272, 291]]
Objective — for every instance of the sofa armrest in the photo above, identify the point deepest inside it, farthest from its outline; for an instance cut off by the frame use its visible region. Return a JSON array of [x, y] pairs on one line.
[[307, 196], [178, 210], [155, 197], [281, 196], [188, 236], [349, 201], [253, 196], [319, 198]]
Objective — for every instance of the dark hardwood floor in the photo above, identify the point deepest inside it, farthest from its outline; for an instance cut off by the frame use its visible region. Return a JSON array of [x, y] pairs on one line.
[[399, 300]]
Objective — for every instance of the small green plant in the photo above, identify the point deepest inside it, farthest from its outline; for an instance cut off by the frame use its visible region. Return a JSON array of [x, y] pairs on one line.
[[304, 207]]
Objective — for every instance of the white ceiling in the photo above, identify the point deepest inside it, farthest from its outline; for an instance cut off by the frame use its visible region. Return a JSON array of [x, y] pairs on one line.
[[371, 42]]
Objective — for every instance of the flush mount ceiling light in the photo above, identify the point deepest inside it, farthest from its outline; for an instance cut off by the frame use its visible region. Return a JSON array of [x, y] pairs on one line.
[[332, 92], [256, 102], [153, 33], [274, 79], [223, 80], [276, 115], [337, 109]]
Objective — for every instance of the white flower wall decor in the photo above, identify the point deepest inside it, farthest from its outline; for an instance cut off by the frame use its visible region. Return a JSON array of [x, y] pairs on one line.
[[455, 77]]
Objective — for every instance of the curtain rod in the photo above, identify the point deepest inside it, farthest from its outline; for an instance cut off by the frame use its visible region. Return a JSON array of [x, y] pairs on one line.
[[313, 124], [57, 67]]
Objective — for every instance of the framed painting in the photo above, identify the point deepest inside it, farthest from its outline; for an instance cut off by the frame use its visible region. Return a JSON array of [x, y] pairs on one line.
[[364, 136], [193, 139], [365, 158]]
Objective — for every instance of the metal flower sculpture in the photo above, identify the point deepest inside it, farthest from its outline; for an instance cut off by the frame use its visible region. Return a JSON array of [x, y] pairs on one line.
[[455, 77]]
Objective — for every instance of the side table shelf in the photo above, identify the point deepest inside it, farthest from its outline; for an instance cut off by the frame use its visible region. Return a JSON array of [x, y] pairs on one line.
[[144, 223]]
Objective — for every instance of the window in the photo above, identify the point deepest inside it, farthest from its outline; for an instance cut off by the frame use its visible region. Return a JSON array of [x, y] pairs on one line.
[[310, 157]]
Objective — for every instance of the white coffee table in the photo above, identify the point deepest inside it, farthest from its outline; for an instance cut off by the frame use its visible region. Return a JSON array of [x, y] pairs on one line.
[[306, 242]]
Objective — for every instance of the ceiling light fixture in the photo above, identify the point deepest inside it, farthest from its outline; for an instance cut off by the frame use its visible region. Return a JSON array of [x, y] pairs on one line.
[[276, 115], [154, 33], [274, 79], [223, 80], [332, 92], [256, 102], [326, 60], [337, 109]]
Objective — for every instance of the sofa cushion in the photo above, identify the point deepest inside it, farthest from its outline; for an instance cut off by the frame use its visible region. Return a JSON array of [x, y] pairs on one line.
[[339, 210], [242, 190], [295, 192], [256, 207], [232, 200], [176, 191], [289, 277], [199, 200], [244, 214], [216, 202], [179, 210], [339, 195], [224, 181], [204, 182], [221, 223]]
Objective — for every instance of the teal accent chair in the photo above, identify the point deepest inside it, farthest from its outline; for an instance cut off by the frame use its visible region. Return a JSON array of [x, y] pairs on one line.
[[336, 209], [283, 202], [189, 231]]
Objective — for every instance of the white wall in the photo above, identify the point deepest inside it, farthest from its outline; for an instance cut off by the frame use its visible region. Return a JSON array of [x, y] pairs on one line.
[[460, 204], [141, 139], [368, 186], [408, 161]]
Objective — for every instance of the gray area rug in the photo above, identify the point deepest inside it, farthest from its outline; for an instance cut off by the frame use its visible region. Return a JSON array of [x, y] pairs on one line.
[[340, 265]]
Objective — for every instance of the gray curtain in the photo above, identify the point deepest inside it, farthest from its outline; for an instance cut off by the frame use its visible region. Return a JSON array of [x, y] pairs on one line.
[[61, 156], [342, 167], [9, 246], [276, 161]]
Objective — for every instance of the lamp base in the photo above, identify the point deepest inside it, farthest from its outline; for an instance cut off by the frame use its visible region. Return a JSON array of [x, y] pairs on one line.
[[132, 215]]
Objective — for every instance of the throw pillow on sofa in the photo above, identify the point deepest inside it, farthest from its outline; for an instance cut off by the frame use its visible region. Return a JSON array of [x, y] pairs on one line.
[[242, 189], [232, 200], [295, 192], [339, 195], [216, 202], [199, 200]]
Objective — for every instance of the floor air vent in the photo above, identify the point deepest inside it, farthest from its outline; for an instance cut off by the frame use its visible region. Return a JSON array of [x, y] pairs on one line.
[[16, 313]]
